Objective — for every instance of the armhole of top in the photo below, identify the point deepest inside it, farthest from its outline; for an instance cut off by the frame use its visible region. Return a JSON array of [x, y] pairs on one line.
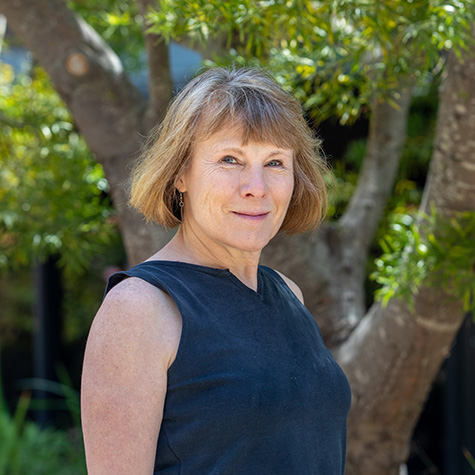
[[279, 279], [118, 277], [113, 280]]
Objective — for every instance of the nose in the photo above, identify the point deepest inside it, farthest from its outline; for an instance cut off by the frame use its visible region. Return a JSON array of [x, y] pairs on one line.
[[253, 183]]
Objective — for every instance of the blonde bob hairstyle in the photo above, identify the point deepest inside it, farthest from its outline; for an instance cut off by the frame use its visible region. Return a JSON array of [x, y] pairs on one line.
[[214, 100]]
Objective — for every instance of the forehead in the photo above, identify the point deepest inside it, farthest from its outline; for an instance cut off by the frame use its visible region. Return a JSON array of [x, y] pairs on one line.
[[233, 137]]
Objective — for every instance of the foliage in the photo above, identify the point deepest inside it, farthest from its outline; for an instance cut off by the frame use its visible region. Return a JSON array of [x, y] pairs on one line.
[[413, 165], [28, 449], [431, 250], [469, 457], [25, 448], [67, 397], [344, 184], [53, 191], [337, 55], [417, 150]]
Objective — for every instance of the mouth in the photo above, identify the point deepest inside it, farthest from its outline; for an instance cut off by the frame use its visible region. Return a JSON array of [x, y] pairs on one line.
[[252, 215]]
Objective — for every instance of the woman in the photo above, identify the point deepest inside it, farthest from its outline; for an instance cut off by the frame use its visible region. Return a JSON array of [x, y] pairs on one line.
[[199, 360]]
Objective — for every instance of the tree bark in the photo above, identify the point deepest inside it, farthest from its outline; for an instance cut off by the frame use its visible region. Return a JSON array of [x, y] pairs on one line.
[[160, 85], [3, 28], [394, 354]]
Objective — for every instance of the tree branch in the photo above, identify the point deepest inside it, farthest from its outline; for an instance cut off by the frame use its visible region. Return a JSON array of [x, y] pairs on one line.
[[450, 184], [3, 28], [393, 355], [386, 140], [85, 71], [217, 47], [159, 79]]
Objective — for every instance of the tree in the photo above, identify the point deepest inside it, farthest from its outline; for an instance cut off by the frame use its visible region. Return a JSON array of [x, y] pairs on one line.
[[390, 353]]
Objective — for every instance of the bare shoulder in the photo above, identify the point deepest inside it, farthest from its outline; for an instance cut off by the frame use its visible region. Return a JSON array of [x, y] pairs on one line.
[[292, 285], [136, 310]]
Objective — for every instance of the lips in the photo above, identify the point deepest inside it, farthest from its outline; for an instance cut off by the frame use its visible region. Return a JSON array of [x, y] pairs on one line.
[[251, 214]]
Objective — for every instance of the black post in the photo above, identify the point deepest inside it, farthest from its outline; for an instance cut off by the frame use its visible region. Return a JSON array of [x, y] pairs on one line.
[[460, 403], [47, 333]]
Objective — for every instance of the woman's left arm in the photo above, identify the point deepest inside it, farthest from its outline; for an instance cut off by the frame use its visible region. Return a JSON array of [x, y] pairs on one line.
[[293, 286], [130, 347]]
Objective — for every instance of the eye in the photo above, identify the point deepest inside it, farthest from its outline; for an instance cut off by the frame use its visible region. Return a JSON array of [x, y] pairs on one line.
[[229, 159], [275, 163]]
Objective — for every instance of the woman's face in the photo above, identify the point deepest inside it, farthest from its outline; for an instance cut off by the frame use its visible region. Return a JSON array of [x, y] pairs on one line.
[[236, 196]]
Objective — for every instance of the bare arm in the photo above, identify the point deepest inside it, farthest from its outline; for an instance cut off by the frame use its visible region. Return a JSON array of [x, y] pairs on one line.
[[132, 343], [293, 286]]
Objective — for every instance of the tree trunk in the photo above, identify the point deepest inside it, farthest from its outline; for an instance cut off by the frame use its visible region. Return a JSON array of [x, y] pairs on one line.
[[394, 354]]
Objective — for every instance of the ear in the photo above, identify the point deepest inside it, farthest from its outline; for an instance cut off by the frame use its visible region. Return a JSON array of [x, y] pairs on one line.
[[180, 183]]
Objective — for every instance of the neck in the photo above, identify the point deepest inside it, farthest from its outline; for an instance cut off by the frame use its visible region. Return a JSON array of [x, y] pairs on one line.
[[186, 246]]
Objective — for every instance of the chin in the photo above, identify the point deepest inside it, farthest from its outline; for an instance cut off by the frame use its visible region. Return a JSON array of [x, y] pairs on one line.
[[252, 246]]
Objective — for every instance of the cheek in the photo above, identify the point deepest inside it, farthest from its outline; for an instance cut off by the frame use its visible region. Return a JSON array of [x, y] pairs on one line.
[[284, 189], [209, 192]]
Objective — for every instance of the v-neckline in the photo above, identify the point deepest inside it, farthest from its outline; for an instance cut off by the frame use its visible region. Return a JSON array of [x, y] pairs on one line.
[[217, 271]]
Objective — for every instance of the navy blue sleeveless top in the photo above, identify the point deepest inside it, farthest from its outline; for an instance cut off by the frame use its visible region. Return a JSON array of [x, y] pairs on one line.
[[252, 390]]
